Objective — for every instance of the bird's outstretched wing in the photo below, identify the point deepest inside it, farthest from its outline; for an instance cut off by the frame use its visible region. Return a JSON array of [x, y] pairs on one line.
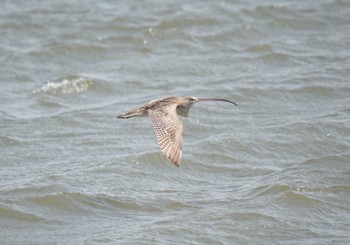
[[168, 129]]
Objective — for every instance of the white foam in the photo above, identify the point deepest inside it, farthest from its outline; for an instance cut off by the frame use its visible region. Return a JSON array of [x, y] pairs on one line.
[[66, 86]]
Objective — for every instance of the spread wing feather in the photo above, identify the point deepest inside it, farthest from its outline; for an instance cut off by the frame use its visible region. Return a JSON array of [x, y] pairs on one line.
[[168, 129]]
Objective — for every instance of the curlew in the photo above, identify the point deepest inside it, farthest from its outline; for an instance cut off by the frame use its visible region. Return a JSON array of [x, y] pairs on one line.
[[167, 126]]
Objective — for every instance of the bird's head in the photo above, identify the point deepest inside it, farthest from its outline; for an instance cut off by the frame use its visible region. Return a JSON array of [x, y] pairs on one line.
[[190, 100]]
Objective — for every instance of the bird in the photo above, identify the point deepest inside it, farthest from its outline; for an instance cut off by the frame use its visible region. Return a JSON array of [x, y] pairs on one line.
[[166, 123]]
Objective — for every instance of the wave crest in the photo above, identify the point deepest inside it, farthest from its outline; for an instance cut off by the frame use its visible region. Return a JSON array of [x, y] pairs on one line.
[[70, 85]]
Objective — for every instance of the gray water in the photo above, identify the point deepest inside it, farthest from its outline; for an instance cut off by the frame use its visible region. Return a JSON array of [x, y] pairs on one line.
[[274, 170]]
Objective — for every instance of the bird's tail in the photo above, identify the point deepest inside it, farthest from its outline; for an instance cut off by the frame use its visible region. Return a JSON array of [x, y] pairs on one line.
[[134, 113]]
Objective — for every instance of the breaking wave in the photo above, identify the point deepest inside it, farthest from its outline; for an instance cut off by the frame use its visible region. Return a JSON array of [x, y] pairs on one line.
[[70, 85]]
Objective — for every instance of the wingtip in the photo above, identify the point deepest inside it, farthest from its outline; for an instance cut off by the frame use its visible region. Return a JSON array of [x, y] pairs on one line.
[[177, 161]]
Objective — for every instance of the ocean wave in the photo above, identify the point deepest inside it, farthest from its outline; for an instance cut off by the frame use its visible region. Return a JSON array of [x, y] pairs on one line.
[[156, 159], [69, 85], [74, 201], [9, 141], [13, 214]]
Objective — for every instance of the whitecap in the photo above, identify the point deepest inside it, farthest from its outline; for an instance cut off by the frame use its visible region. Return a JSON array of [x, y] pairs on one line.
[[69, 85]]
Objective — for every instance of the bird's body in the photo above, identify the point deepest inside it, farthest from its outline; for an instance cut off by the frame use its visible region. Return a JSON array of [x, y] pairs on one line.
[[167, 126]]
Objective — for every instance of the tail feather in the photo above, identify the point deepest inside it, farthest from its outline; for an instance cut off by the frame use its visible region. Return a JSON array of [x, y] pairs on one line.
[[134, 113]]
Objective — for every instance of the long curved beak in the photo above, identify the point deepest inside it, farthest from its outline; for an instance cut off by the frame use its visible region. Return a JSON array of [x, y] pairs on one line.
[[215, 99]]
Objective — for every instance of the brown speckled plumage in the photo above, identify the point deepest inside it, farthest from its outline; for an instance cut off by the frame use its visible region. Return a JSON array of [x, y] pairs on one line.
[[166, 123]]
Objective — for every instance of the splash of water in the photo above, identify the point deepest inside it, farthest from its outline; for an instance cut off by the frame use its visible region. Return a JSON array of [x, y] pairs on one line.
[[66, 86]]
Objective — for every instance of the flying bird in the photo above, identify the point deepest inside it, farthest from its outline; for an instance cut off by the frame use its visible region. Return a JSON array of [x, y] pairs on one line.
[[167, 126]]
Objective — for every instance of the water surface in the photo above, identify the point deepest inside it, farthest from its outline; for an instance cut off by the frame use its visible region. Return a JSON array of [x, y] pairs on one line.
[[274, 170]]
